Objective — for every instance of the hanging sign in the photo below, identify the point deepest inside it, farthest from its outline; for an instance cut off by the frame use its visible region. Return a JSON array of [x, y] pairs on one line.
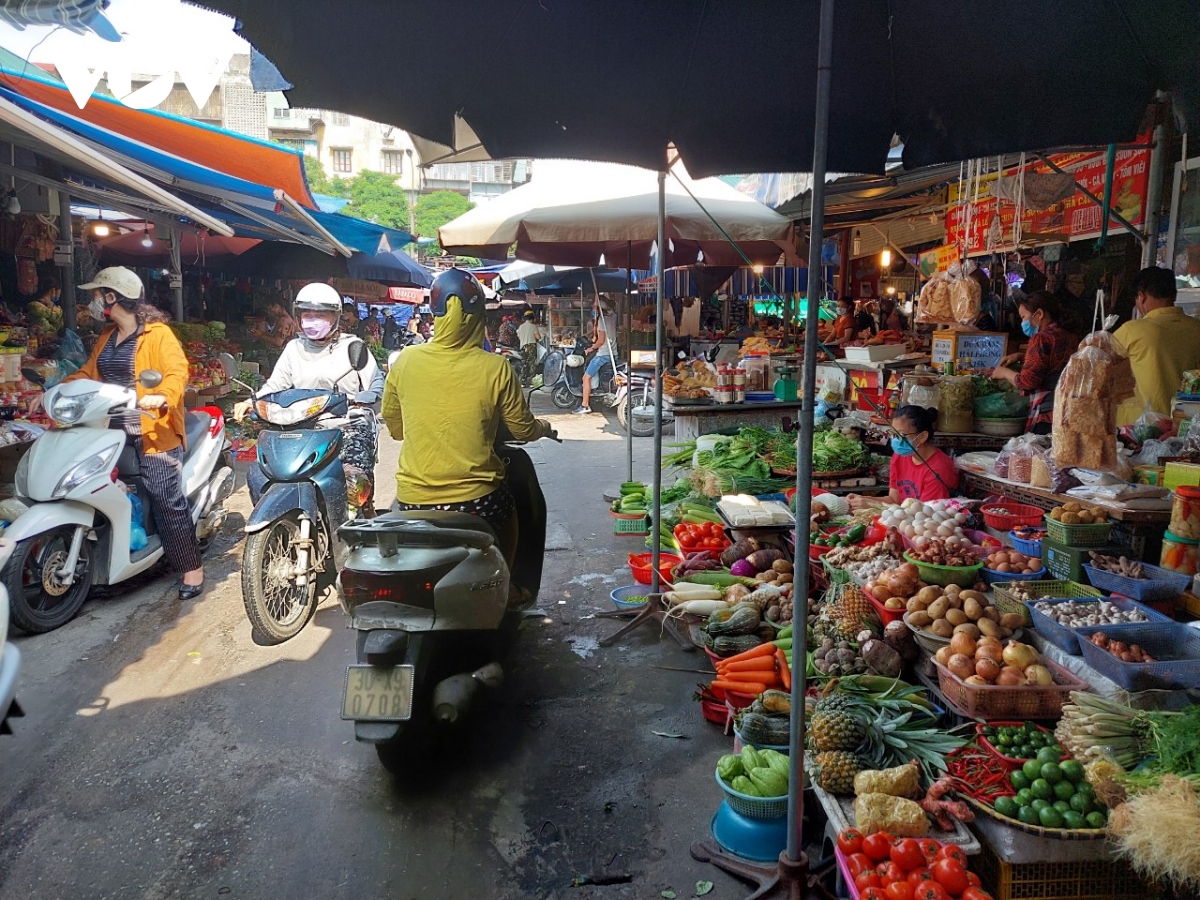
[[1076, 218], [415, 296], [62, 253], [355, 287], [939, 259], [175, 281]]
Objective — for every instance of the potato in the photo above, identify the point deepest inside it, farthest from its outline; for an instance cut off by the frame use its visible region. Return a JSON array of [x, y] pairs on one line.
[[942, 628], [1005, 633], [952, 590], [956, 617], [990, 612], [920, 619], [988, 628], [955, 601], [974, 595], [782, 566], [915, 605], [1012, 620], [928, 594], [968, 628], [894, 603], [937, 609], [973, 608]]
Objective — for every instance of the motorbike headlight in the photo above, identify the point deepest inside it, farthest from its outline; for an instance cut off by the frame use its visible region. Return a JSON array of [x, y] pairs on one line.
[[86, 468], [290, 415], [21, 481], [69, 410]]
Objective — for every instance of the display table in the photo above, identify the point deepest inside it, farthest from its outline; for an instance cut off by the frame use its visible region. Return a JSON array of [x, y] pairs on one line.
[[968, 441], [693, 421]]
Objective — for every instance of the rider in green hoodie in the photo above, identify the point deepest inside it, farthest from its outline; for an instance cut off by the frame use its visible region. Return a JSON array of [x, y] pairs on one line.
[[446, 401]]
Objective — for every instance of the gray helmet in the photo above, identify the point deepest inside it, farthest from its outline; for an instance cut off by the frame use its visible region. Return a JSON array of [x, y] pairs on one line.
[[460, 284]]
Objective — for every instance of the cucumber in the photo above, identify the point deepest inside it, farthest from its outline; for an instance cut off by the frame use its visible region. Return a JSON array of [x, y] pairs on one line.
[[719, 579]]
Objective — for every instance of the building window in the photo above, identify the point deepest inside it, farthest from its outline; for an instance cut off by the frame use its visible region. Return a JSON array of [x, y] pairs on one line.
[[338, 118], [282, 112], [393, 162], [341, 161]]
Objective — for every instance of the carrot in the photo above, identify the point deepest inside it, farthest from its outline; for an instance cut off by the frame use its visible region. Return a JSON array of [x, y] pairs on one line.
[[740, 687], [767, 649], [758, 664], [785, 674], [768, 678]]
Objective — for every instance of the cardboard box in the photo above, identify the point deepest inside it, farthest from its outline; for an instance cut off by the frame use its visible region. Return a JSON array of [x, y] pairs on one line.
[[978, 349], [1066, 563], [1152, 475], [876, 353], [1181, 473]]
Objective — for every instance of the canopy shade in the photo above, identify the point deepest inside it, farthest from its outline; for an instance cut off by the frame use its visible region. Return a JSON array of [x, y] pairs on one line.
[[279, 259], [573, 213], [195, 248], [1077, 71], [561, 279]]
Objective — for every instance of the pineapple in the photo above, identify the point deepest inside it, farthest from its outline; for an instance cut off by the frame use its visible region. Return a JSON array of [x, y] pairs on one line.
[[835, 771], [835, 726], [851, 610]]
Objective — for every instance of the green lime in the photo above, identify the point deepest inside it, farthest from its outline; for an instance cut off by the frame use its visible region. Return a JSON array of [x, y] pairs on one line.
[[1062, 806], [1085, 788], [1025, 751], [1081, 803], [1050, 817], [1032, 769], [1029, 815], [1072, 770], [1024, 797], [1048, 755], [1037, 738], [1064, 790], [1039, 804], [1042, 789], [1096, 819], [1072, 819], [1051, 772], [1007, 806], [1018, 780]]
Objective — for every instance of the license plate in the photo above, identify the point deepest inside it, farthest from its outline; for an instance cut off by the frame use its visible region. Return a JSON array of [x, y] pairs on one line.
[[378, 693]]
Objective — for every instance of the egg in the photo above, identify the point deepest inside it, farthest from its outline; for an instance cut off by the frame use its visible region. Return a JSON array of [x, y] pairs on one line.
[[945, 531], [961, 518]]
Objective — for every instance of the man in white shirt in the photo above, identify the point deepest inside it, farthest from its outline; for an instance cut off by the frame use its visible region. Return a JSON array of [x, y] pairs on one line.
[[528, 336], [606, 336]]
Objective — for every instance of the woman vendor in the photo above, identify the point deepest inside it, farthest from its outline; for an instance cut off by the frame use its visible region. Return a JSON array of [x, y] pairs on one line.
[[1050, 346], [918, 468], [845, 326]]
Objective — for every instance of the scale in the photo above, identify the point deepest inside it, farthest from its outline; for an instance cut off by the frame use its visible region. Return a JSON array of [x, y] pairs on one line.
[[787, 389]]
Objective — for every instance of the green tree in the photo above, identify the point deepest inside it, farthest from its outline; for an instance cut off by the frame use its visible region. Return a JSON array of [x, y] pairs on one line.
[[435, 210], [376, 197], [320, 183]]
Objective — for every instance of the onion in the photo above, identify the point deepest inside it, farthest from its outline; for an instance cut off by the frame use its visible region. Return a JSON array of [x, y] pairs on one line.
[[1038, 675], [898, 587], [974, 679], [1020, 655], [908, 570], [963, 643], [990, 650], [1010, 676], [943, 655], [961, 665], [987, 669]]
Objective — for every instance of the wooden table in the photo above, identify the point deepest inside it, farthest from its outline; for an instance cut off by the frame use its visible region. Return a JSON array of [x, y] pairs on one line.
[[966, 442], [693, 421]]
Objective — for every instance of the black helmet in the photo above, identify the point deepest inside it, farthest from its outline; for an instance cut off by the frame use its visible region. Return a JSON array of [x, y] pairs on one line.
[[460, 284]]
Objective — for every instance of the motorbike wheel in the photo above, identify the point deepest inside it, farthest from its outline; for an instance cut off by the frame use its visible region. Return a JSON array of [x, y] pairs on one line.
[[642, 426], [278, 609], [563, 398], [37, 602]]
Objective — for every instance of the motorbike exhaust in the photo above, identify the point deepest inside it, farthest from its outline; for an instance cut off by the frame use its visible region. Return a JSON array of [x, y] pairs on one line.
[[453, 697]]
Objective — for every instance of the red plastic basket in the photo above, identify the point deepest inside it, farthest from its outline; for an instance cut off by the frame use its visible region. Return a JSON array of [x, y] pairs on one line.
[[1005, 514], [995, 701], [886, 616], [639, 565]]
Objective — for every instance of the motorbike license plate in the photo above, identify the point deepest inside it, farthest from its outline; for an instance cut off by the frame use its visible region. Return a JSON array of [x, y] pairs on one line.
[[378, 693]]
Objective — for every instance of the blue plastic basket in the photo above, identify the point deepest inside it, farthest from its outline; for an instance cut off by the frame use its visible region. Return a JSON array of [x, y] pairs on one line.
[[1067, 639], [1029, 548], [753, 807], [618, 596], [1177, 647], [1158, 585], [991, 576]]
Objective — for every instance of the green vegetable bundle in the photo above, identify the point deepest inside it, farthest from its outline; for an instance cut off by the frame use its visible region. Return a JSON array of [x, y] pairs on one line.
[[837, 452]]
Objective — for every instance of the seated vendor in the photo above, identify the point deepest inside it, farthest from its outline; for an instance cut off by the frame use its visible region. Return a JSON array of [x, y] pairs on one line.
[[918, 468]]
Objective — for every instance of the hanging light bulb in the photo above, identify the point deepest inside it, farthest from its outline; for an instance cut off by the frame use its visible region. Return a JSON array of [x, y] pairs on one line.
[[885, 258], [147, 241], [100, 227], [700, 256], [14, 204], [856, 245], [891, 290], [602, 263]]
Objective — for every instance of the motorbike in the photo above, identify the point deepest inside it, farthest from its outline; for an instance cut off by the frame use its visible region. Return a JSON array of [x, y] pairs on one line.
[[562, 375], [301, 497], [635, 404], [428, 593], [10, 656], [79, 481]]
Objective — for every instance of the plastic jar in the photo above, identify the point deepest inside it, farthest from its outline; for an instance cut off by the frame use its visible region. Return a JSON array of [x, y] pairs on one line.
[[956, 405], [724, 394], [1185, 513], [1180, 554], [739, 378]]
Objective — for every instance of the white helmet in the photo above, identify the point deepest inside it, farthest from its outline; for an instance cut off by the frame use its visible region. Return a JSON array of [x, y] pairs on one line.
[[324, 307], [320, 298]]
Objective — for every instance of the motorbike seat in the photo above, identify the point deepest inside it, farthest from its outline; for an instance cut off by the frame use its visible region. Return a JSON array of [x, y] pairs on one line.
[[195, 424], [443, 518]]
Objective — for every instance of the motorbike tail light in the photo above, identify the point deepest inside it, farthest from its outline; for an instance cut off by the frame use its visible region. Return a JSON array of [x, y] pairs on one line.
[[408, 588], [114, 474]]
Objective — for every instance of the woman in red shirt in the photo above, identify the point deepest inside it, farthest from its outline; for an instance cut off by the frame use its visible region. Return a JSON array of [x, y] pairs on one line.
[[918, 468]]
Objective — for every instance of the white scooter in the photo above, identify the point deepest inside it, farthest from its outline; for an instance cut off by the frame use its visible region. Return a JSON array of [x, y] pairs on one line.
[[76, 530]]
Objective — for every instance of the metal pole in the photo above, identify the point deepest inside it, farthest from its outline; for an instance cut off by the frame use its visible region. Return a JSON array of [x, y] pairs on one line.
[[629, 362], [176, 275], [66, 274], [659, 271], [801, 586], [1158, 161]]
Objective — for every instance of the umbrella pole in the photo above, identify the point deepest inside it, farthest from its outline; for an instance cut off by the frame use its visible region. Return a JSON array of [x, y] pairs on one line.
[[791, 878], [656, 520], [629, 362]]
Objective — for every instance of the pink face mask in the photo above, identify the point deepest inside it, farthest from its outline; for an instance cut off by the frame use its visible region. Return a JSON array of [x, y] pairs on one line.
[[315, 327]]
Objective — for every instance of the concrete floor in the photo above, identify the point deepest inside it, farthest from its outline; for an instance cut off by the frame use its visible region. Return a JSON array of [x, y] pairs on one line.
[[166, 755]]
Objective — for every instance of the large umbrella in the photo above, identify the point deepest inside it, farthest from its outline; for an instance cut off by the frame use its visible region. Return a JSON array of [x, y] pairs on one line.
[[282, 259], [562, 279], [144, 248], [574, 213]]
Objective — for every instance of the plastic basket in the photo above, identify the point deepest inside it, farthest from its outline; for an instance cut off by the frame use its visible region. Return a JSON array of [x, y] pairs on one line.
[[1009, 514], [1177, 646], [1065, 638], [886, 616], [618, 595], [991, 576], [753, 807], [639, 527], [1028, 547], [639, 565], [1006, 602], [995, 751], [1093, 535], [1160, 584], [963, 576], [993, 701]]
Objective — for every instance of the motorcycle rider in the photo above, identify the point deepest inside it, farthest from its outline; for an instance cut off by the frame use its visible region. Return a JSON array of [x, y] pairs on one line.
[[447, 401], [318, 358]]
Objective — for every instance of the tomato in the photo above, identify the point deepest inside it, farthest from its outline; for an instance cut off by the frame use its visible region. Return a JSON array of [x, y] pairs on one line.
[[950, 875], [950, 851], [973, 880], [900, 890], [917, 876], [892, 872], [850, 841], [868, 878], [931, 890], [976, 893], [858, 862], [877, 845], [907, 854], [930, 848], [873, 893]]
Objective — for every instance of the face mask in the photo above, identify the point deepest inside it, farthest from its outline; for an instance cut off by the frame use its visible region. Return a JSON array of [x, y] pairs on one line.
[[96, 308], [901, 447], [1028, 328], [315, 327]]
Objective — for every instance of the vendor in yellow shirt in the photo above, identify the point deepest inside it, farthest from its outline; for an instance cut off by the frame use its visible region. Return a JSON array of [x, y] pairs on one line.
[[1162, 345]]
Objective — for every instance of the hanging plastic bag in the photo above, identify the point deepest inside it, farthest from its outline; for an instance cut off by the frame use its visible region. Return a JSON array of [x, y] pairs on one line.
[[1095, 379], [966, 300], [935, 305], [1152, 426]]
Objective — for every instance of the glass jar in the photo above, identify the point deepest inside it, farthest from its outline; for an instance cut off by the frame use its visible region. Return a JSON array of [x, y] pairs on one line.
[[956, 405], [757, 370], [739, 378], [1180, 554], [724, 394], [1185, 513]]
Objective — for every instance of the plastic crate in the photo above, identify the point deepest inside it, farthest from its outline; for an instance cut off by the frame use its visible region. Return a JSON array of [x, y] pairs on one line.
[[1029, 548], [1093, 535], [753, 807], [1161, 640], [991, 576], [993, 701], [639, 527], [1013, 514], [1160, 584], [1065, 638], [1004, 600]]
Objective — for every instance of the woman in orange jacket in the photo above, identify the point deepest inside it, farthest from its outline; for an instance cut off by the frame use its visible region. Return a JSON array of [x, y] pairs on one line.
[[139, 339]]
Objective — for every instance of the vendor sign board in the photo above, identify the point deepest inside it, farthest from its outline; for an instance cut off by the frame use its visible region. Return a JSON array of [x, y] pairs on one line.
[[969, 225], [414, 296], [939, 259]]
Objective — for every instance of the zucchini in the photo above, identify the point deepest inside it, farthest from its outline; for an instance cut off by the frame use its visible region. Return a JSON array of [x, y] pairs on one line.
[[740, 619], [763, 731], [731, 645]]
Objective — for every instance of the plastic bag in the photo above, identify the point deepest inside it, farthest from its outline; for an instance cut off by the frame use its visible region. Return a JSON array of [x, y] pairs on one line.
[[71, 350], [1020, 464], [1095, 379], [1004, 405], [1151, 426], [1191, 441], [1005, 457], [1045, 474], [965, 300], [936, 305], [1152, 451]]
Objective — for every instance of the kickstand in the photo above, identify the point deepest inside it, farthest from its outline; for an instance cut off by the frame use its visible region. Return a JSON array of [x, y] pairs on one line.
[[650, 611], [784, 879]]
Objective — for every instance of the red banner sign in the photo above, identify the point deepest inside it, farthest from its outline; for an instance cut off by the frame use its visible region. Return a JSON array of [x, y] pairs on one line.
[[1075, 218], [415, 296]]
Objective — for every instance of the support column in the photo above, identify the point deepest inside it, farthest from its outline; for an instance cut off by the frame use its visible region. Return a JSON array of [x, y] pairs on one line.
[[66, 274]]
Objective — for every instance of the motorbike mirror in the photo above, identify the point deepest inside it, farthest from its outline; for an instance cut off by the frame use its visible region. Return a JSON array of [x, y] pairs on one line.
[[150, 379], [33, 376], [359, 355], [392, 357], [229, 364]]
